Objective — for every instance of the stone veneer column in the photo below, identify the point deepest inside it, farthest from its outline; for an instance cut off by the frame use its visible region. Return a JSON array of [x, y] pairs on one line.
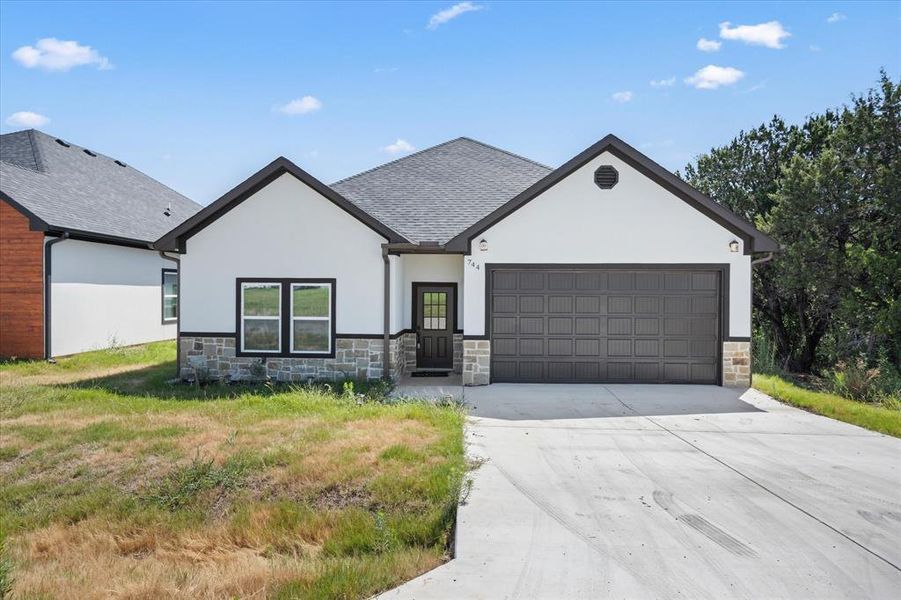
[[476, 362], [737, 364]]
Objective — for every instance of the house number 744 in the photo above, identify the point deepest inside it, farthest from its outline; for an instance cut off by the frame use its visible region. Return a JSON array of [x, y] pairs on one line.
[[473, 264]]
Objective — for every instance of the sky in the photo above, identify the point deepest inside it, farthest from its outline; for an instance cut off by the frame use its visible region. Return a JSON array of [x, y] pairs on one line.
[[202, 95]]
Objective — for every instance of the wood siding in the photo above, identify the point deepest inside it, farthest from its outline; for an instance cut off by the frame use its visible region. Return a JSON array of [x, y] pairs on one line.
[[21, 286]]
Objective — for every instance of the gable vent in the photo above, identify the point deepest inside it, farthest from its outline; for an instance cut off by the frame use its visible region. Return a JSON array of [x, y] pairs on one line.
[[62, 143], [606, 177], [89, 153]]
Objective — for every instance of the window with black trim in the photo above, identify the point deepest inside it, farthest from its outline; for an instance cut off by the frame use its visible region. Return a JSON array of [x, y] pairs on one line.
[[261, 317], [286, 317], [170, 295]]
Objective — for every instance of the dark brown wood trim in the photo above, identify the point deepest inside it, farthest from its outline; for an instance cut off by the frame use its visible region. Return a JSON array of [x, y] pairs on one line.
[[208, 334]]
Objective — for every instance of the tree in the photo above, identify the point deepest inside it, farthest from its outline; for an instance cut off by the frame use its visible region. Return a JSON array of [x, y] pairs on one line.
[[828, 191]]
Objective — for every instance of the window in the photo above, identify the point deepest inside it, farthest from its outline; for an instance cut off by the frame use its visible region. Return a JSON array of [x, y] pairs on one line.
[[170, 295], [261, 317], [311, 315], [286, 317], [434, 310]]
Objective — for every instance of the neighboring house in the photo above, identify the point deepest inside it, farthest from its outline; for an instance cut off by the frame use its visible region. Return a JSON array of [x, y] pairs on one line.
[[77, 271], [466, 257]]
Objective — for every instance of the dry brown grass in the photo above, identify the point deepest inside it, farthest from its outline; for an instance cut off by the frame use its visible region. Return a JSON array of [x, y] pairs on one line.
[[296, 492], [14, 379]]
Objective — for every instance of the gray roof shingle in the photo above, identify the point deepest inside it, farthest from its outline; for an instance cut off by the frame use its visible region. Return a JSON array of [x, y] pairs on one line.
[[434, 194], [70, 189]]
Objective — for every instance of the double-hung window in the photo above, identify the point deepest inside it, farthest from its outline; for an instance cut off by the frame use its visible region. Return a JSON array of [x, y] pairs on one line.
[[311, 318], [286, 317], [261, 317], [170, 295]]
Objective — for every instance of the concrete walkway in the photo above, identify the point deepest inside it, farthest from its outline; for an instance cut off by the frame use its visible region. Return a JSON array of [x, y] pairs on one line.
[[669, 492]]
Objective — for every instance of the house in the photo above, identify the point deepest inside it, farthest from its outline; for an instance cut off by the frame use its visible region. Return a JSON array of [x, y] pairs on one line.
[[466, 257], [77, 271]]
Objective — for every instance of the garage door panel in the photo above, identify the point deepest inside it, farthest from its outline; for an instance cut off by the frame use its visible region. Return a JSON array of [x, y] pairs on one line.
[[619, 326], [588, 325], [531, 347], [559, 325], [590, 347], [531, 304], [531, 326], [597, 325], [504, 325], [619, 305], [560, 304], [560, 347]]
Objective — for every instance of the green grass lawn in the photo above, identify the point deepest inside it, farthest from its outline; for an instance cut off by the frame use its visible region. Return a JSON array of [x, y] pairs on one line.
[[115, 482], [870, 416]]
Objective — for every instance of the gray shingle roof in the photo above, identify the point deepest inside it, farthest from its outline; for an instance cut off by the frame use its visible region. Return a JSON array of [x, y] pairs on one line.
[[436, 193], [70, 189]]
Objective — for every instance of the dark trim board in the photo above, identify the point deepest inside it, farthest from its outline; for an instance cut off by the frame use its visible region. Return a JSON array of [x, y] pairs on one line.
[[340, 336], [755, 241], [721, 268], [176, 239], [285, 298], [208, 334]]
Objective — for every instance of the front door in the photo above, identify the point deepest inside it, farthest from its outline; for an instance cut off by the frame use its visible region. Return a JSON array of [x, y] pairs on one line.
[[434, 318]]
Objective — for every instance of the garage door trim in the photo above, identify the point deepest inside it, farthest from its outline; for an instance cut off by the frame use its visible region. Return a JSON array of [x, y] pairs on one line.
[[721, 268]]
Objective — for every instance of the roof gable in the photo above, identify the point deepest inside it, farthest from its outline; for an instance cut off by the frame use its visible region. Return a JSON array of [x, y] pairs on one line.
[[176, 239], [62, 187], [755, 240]]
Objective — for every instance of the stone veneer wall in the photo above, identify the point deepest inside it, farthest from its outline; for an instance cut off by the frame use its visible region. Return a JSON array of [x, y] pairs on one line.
[[408, 342], [476, 362], [737, 364], [215, 358]]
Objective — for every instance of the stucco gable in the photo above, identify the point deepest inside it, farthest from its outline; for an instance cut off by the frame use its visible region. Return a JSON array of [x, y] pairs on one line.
[[176, 239], [754, 240]]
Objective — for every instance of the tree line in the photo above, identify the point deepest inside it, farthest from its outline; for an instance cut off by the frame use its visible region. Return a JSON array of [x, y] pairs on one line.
[[829, 191]]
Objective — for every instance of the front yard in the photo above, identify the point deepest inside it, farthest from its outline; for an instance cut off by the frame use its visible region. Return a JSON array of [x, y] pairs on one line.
[[115, 483]]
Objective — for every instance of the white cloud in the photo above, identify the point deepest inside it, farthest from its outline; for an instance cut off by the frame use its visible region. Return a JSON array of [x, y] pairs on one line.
[[27, 118], [301, 106], [379, 70], [768, 34], [712, 77], [815, 48], [443, 16], [836, 17], [663, 82], [52, 54], [622, 97], [399, 147], [705, 45]]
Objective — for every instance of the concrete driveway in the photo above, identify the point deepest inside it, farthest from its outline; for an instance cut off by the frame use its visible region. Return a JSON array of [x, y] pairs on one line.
[[630, 491]]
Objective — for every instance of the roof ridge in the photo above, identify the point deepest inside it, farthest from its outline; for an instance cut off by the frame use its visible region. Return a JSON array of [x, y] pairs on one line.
[[53, 139], [35, 151], [396, 160], [507, 152]]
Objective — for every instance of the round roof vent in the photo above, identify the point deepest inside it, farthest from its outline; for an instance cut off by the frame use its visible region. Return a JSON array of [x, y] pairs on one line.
[[606, 177]]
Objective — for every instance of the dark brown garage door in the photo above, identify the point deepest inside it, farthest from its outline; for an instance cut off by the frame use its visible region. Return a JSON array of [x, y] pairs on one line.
[[586, 324]]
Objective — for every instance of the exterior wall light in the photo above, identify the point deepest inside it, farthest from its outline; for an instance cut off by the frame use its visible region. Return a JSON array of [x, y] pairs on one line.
[[483, 245], [733, 246]]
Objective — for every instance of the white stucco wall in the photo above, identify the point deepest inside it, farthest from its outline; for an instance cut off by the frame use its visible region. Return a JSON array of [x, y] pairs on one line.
[[431, 268], [635, 222], [104, 295], [285, 230]]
